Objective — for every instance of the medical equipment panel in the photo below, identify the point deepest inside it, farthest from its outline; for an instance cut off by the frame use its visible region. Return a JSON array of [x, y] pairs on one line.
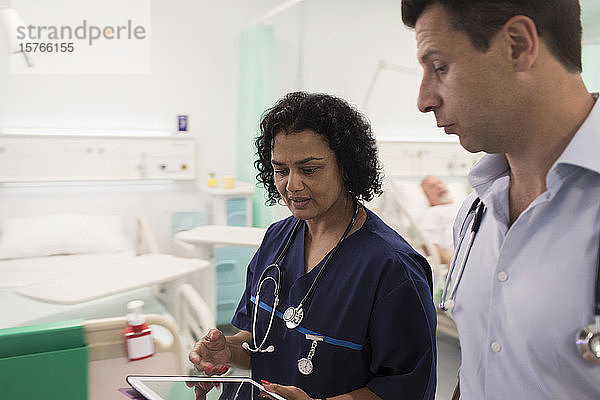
[[420, 157], [52, 158]]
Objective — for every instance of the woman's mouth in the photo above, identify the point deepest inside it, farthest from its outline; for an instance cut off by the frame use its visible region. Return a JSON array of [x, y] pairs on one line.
[[299, 202]]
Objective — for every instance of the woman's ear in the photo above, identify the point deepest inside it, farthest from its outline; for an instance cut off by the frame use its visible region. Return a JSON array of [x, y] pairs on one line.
[[523, 42]]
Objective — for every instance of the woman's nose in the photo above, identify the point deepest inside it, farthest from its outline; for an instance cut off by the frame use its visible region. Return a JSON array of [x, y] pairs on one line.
[[294, 182]]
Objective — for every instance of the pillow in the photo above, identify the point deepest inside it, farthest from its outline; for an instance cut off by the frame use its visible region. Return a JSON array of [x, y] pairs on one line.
[[459, 190], [410, 195], [46, 235]]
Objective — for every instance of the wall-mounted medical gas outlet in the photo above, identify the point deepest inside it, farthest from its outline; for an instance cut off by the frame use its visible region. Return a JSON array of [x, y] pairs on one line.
[[419, 157], [50, 158]]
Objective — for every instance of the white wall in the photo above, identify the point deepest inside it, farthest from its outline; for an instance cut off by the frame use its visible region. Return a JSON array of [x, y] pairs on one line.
[[194, 70], [322, 45], [335, 46]]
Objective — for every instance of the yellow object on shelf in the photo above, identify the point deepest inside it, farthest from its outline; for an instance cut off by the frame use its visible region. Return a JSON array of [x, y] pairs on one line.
[[228, 182], [212, 181]]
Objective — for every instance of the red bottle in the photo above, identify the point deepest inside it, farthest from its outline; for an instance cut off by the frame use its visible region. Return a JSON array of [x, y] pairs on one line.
[[138, 335]]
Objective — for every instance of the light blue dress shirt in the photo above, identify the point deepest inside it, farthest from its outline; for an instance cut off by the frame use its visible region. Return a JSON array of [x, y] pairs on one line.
[[528, 290]]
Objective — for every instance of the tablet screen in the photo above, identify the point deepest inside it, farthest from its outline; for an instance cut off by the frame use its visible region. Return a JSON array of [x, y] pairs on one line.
[[197, 387]]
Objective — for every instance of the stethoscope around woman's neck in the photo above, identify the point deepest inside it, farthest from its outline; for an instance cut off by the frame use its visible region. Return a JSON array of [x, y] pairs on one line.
[[293, 315], [587, 339]]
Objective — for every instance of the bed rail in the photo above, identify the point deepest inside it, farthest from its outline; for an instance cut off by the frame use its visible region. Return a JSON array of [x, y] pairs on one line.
[[108, 365], [193, 315]]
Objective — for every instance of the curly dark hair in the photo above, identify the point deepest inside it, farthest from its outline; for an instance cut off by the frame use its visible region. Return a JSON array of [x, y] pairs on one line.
[[345, 129]]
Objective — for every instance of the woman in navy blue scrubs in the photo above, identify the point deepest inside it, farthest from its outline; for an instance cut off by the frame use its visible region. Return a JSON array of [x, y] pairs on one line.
[[354, 316]]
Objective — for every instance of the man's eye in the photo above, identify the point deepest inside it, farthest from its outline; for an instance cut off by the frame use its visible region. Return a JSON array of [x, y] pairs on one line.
[[280, 172], [309, 171], [440, 69]]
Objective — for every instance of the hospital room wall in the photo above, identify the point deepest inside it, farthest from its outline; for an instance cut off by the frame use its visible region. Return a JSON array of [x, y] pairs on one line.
[[194, 71], [320, 45], [336, 45], [590, 11]]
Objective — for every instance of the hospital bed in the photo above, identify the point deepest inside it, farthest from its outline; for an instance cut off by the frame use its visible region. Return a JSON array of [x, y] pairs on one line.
[[406, 161], [401, 206], [79, 359], [55, 268]]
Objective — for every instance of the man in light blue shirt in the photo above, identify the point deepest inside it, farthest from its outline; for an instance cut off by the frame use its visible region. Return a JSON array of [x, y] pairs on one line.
[[505, 77]]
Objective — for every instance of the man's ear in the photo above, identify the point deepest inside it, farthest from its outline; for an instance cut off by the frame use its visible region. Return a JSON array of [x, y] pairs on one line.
[[523, 42]]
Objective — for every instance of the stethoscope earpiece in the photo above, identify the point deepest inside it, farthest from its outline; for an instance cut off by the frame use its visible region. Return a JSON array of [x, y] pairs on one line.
[[269, 349]]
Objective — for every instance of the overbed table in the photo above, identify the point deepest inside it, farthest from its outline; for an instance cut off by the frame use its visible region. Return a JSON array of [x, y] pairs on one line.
[[205, 238]]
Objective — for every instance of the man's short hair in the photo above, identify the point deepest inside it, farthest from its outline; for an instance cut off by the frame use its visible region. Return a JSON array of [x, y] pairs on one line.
[[558, 22]]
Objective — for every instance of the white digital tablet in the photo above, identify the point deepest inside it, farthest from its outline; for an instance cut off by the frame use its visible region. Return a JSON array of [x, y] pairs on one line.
[[199, 388]]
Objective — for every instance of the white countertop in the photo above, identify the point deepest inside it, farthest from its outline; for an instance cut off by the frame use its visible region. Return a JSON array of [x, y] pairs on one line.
[[222, 235]]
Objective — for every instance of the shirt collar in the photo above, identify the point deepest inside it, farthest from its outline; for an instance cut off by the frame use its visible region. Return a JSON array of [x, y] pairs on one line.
[[486, 171], [580, 152]]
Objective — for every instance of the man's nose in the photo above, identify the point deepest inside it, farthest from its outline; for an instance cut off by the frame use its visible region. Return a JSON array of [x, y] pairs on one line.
[[429, 99]]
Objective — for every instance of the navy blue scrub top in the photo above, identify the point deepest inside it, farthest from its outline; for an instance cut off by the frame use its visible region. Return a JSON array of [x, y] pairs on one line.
[[372, 305]]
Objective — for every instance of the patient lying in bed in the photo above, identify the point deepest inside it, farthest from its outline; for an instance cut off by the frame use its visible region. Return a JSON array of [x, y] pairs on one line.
[[437, 220]]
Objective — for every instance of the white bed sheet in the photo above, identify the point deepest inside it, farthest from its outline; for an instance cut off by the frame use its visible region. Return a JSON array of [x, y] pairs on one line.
[[113, 277], [17, 310], [45, 272], [29, 271]]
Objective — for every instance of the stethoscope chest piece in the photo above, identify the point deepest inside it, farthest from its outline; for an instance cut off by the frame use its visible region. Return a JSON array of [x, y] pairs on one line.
[[293, 317], [588, 343], [447, 305]]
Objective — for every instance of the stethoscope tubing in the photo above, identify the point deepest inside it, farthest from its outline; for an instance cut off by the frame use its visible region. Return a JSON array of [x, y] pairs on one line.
[[261, 281], [335, 249], [583, 339], [478, 207], [277, 284]]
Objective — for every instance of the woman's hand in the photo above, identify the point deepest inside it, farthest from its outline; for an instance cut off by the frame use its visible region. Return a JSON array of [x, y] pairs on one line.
[[288, 392], [211, 354]]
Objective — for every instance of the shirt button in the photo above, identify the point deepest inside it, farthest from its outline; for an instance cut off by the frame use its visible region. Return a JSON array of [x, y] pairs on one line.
[[502, 276], [496, 347]]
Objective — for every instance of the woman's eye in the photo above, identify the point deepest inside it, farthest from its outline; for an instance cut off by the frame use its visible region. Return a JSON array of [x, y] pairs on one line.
[[280, 172]]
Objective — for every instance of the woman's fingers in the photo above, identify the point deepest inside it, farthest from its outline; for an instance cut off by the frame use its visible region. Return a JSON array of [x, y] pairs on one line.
[[210, 354], [288, 392]]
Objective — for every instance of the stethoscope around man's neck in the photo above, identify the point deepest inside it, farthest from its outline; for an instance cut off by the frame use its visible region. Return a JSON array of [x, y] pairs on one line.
[[587, 339], [293, 315]]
